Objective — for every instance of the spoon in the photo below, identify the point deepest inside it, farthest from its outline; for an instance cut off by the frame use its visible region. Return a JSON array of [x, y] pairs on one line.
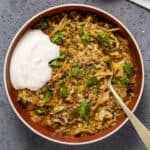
[[141, 130]]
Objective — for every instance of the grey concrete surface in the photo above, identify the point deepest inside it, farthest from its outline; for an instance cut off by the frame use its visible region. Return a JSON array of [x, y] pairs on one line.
[[13, 134]]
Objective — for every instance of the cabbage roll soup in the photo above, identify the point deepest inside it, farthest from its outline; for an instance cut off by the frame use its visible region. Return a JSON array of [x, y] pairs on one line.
[[76, 100]]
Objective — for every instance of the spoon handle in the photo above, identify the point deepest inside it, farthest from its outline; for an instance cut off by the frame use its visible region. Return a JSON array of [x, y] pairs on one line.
[[142, 131]]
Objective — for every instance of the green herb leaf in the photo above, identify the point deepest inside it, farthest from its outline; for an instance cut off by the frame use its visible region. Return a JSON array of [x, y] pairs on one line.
[[62, 56], [23, 102], [58, 38], [114, 81], [85, 38], [42, 24], [88, 69], [41, 111], [127, 68], [55, 63], [64, 92], [101, 37], [92, 81], [83, 111], [124, 80], [75, 111], [47, 95], [74, 71], [96, 89], [81, 31]]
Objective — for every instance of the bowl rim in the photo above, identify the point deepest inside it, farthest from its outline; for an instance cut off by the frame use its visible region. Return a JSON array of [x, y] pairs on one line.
[[29, 126]]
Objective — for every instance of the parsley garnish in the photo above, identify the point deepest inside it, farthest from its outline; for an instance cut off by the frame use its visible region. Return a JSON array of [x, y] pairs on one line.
[[83, 111], [127, 68], [114, 81], [55, 63], [74, 71], [47, 95], [23, 102], [58, 38], [101, 37], [84, 36], [124, 80], [64, 91], [92, 81], [96, 89], [62, 56], [42, 24]]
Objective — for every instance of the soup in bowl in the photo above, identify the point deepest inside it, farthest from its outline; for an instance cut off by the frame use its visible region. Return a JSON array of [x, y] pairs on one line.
[[57, 70]]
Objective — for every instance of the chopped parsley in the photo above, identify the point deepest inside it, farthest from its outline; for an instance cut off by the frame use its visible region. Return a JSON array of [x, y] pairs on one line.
[[83, 111], [95, 90], [127, 67], [58, 37], [124, 80], [62, 56], [47, 95], [84, 36], [114, 81], [101, 37], [41, 111], [42, 24], [88, 69], [92, 80], [55, 63], [64, 92], [74, 71], [23, 102]]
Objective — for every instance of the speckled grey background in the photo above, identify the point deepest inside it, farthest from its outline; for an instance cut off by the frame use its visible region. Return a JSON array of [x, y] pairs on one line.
[[13, 134]]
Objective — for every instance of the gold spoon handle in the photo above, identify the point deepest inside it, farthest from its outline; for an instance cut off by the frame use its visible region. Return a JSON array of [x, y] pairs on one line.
[[142, 131]]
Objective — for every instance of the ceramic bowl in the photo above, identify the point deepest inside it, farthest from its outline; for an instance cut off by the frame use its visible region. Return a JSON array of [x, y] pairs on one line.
[[12, 95]]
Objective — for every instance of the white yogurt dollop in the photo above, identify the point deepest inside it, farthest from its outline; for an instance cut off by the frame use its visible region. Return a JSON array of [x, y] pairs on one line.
[[29, 63]]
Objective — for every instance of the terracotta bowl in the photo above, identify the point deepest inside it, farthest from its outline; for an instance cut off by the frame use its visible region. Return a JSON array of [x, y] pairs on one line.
[[12, 95]]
